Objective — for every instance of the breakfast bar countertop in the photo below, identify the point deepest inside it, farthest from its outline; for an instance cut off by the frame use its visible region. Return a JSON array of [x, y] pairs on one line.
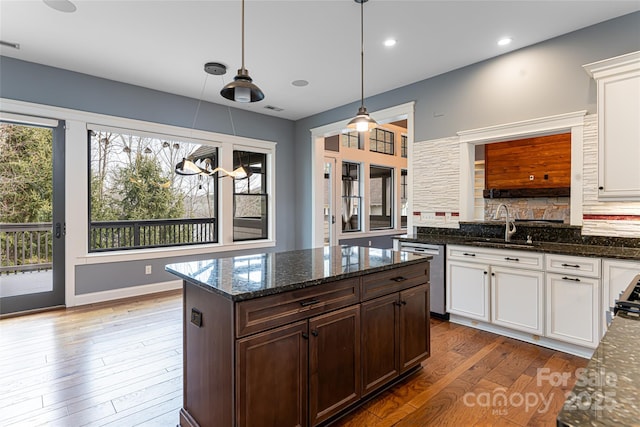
[[251, 276]]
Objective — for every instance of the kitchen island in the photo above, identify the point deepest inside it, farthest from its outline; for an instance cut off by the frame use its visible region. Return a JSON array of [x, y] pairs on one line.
[[297, 338]]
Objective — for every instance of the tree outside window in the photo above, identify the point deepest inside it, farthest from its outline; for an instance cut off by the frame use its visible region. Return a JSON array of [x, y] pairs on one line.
[[136, 199]]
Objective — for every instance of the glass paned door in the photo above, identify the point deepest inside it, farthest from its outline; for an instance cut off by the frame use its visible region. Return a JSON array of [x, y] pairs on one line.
[[31, 216], [329, 202]]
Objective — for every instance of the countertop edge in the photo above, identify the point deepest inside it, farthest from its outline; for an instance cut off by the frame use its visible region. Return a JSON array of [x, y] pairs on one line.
[[299, 285], [592, 251]]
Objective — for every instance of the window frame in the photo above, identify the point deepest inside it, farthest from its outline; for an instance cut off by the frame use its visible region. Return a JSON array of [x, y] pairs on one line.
[[374, 140], [226, 144]]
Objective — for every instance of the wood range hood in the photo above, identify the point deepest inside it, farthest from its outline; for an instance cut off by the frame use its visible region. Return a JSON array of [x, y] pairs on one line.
[[528, 168]]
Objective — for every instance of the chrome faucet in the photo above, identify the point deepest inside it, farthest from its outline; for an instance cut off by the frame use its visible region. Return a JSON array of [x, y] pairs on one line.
[[510, 226]]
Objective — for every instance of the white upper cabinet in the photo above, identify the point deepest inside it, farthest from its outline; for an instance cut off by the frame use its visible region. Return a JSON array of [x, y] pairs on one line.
[[618, 82]]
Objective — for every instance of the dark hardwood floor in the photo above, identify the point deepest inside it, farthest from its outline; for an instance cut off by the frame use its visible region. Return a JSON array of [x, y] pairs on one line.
[[120, 364]]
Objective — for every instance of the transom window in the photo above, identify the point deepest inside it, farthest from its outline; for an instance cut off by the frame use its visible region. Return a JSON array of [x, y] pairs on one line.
[[403, 146], [381, 141], [351, 140]]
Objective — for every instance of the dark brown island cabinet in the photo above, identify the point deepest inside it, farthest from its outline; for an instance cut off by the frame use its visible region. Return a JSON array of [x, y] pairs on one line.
[[300, 354]]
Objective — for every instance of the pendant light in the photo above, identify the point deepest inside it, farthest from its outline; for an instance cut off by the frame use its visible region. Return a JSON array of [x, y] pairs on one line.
[[362, 122], [242, 88]]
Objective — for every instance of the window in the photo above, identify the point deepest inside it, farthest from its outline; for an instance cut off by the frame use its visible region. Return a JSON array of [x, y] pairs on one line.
[[351, 140], [250, 198], [380, 197], [404, 196], [137, 201], [351, 196], [381, 141], [403, 146]]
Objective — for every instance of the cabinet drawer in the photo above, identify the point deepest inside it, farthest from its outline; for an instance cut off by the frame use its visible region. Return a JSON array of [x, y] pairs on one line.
[[268, 312], [502, 257], [397, 279], [574, 265]]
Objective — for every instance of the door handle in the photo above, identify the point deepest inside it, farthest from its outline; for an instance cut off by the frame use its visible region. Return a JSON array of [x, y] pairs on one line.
[[58, 230]]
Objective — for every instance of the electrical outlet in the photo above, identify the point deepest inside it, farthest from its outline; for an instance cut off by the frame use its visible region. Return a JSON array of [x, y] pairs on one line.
[[147, 269]]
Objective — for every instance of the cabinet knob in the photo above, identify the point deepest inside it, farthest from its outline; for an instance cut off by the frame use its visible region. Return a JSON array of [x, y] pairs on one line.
[[314, 332], [485, 272], [305, 335], [600, 188], [493, 274]]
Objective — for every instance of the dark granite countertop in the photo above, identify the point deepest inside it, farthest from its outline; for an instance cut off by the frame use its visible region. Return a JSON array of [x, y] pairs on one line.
[[577, 249], [607, 392], [251, 276]]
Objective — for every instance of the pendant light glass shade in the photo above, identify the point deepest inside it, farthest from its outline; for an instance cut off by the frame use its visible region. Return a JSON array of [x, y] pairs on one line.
[[242, 88], [363, 121]]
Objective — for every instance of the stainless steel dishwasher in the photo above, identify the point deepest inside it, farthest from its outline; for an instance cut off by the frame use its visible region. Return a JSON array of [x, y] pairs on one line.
[[437, 271]]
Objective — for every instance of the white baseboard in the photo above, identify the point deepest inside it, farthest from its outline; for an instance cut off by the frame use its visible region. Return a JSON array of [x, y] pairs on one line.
[[115, 294], [523, 336]]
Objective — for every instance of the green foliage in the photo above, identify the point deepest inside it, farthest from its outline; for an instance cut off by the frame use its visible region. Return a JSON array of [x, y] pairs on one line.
[[26, 174], [145, 191]]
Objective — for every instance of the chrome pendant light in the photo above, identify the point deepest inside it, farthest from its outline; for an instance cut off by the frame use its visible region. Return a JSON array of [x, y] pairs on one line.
[[362, 122], [242, 88]]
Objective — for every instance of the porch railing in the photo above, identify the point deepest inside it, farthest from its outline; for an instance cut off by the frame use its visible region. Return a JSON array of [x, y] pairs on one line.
[[25, 247], [116, 235]]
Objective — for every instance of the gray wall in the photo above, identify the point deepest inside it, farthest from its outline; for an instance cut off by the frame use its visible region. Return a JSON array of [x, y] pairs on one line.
[[537, 81]]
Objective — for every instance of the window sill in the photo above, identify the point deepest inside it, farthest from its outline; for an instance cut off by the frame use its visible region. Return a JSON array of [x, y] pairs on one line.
[[174, 251]]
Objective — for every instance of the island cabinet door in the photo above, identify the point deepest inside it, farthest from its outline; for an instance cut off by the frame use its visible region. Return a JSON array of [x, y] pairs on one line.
[[334, 363], [272, 377], [414, 327], [380, 337]]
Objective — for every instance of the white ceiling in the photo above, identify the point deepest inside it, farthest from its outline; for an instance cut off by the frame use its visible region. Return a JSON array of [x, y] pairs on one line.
[[163, 44]]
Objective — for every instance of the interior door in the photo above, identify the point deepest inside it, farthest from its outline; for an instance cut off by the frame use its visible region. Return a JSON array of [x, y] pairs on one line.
[[330, 165], [32, 224]]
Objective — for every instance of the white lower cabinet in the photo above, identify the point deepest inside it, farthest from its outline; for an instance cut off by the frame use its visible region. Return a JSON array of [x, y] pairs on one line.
[[572, 309], [517, 299], [551, 300], [468, 290]]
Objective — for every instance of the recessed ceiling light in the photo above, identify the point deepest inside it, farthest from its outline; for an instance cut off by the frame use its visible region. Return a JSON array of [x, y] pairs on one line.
[[299, 83], [390, 42], [504, 41], [61, 5]]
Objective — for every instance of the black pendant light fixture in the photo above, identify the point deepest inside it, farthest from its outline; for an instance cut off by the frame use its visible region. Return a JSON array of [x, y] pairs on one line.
[[242, 88], [362, 122]]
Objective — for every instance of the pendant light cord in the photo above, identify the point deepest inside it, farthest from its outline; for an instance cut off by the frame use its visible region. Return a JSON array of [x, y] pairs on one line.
[[361, 53]]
